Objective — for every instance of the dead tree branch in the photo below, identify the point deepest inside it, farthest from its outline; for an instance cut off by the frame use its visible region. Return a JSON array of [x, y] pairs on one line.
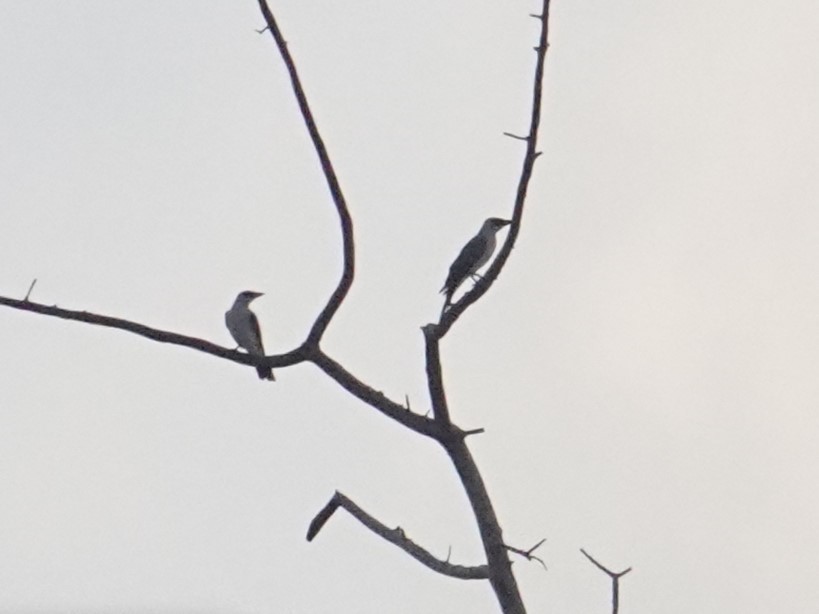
[[416, 422], [435, 377], [501, 577], [449, 317], [615, 580], [163, 336], [394, 536], [344, 217], [440, 427]]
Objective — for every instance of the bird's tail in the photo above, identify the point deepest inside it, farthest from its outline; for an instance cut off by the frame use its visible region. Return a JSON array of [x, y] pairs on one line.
[[266, 373]]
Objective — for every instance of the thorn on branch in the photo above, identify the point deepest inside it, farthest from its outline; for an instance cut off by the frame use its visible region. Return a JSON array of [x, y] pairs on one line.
[[473, 432], [406, 399], [263, 30], [516, 137], [537, 155], [30, 288], [536, 16], [527, 554]]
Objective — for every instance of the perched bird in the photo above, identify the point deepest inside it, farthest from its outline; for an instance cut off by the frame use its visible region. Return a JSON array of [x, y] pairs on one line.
[[244, 328], [473, 256]]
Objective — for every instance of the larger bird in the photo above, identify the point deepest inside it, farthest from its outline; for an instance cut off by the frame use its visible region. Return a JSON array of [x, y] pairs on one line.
[[473, 256], [244, 328]]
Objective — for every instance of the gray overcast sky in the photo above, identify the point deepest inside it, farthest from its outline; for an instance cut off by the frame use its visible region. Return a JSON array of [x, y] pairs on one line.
[[644, 368]]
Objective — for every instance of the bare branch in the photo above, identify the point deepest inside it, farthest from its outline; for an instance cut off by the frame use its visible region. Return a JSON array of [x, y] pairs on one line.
[[454, 312], [527, 554], [30, 288], [374, 398], [394, 536], [349, 382], [501, 577], [615, 580], [435, 379], [163, 336], [345, 219]]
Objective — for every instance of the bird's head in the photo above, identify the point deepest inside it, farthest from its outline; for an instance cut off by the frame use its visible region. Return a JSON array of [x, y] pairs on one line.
[[247, 296], [495, 224]]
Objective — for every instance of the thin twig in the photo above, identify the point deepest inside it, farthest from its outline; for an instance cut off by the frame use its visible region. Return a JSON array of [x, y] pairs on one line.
[[30, 288], [527, 554], [515, 136]]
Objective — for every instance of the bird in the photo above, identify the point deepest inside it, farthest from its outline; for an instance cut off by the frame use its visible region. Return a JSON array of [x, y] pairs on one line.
[[244, 328], [473, 256]]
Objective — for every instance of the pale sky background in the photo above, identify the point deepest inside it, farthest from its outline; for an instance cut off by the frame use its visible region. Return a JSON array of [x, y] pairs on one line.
[[645, 367]]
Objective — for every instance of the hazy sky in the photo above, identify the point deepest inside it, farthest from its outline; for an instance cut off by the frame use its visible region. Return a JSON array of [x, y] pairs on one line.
[[644, 368]]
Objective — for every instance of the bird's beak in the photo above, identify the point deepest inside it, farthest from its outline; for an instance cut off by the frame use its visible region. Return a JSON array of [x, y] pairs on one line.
[[505, 223]]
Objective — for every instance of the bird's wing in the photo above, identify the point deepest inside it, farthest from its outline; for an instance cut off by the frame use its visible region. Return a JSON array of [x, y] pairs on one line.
[[257, 333], [465, 263]]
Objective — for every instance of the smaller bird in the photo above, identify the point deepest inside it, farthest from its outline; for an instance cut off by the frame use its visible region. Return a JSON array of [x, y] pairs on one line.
[[473, 256], [244, 328]]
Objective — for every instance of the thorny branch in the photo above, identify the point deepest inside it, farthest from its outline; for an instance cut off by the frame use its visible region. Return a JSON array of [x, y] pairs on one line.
[[304, 353], [449, 317], [394, 536]]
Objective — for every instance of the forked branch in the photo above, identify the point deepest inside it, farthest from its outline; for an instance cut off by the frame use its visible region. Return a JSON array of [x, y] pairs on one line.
[[501, 577], [528, 554], [497, 570], [395, 536], [615, 580]]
